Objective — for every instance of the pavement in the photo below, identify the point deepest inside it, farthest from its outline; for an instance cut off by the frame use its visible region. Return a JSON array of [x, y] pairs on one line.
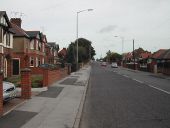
[[158, 75], [58, 107]]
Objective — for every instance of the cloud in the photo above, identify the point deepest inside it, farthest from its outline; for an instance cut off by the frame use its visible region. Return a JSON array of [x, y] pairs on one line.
[[108, 29]]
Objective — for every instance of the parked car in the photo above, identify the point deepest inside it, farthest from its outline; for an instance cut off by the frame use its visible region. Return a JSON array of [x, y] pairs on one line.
[[104, 64], [51, 66], [114, 65], [9, 91]]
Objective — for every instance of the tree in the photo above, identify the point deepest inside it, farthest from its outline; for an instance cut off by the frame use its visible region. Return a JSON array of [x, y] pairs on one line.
[[71, 53], [85, 50], [112, 56]]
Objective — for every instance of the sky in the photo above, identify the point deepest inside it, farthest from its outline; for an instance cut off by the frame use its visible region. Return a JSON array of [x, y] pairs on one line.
[[145, 21]]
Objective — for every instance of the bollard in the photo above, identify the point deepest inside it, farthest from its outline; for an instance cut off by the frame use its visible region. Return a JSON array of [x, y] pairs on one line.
[[26, 83], [1, 93]]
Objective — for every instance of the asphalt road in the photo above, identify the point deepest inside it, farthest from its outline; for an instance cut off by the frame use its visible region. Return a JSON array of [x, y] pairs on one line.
[[117, 100]]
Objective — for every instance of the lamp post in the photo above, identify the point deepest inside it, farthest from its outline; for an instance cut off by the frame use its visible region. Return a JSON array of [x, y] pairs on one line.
[[77, 34]]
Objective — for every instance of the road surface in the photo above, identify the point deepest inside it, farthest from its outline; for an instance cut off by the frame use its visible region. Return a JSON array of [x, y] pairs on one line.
[[121, 98]]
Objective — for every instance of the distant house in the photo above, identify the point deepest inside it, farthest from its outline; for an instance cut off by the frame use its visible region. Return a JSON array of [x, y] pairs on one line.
[[63, 52], [127, 57], [144, 57], [6, 44], [52, 55], [162, 59]]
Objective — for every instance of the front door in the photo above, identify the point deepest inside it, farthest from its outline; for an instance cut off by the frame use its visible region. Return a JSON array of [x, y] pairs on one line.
[[15, 63]]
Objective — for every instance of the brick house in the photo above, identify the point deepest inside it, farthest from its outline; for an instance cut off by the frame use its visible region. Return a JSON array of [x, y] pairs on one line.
[[28, 47], [6, 44], [52, 53]]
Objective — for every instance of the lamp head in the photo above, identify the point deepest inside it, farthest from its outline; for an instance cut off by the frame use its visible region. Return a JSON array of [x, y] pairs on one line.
[[89, 9]]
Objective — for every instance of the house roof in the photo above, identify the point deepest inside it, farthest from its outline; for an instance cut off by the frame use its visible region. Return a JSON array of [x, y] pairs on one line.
[[165, 55], [158, 54], [54, 45], [32, 34], [63, 52], [19, 32], [128, 55], [145, 55]]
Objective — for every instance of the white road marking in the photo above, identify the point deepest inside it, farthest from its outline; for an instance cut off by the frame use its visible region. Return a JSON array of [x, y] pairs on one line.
[[126, 76], [158, 89], [138, 81]]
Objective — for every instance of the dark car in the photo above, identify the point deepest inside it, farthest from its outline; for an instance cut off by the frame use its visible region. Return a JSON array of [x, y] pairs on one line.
[[52, 66]]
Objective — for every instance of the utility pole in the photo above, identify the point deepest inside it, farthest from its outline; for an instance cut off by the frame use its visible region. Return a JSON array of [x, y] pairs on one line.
[[134, 55]]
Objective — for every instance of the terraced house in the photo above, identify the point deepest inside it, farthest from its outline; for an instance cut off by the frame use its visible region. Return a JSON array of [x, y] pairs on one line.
[[6, 45]]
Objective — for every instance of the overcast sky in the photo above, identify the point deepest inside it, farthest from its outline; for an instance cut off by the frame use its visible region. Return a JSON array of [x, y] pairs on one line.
[[146, 21]]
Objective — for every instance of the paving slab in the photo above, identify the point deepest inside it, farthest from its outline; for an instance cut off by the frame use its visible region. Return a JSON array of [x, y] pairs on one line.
[[16, 119]]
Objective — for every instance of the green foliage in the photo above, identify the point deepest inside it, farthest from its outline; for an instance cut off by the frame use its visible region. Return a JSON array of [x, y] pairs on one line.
[[85, 51], [112, 56], [71, 53]]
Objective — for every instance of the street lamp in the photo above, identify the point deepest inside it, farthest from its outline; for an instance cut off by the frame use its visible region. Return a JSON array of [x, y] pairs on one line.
[[77, 33]]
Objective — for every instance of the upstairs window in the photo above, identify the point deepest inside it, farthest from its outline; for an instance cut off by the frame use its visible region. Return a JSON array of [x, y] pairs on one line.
[[8, 39], [1, 35], [32, 44], [39, 46], [43, 47], [37, 42]]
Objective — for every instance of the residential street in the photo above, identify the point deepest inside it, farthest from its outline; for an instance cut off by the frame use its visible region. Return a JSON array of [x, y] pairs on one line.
[[121, 98]]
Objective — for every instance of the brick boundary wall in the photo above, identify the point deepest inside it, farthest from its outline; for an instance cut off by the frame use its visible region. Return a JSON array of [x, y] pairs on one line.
[[1, 93], [26, 83], [36, 70], [50, 76]]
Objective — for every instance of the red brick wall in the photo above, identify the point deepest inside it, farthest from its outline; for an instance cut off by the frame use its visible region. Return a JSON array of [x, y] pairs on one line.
[[26, 83], [50, 76], [36, 70], [1, 94]]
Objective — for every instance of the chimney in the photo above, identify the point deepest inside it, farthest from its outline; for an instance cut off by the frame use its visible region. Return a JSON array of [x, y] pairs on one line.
[[16, 21]]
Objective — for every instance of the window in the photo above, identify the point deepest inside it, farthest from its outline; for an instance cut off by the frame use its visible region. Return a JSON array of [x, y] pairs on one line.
[[42, 60], [36, 62], [8, 39], [39, 61], [31, 62], [51, 51], [32, 44], [42, 47], [1, 35], [37, 44]]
